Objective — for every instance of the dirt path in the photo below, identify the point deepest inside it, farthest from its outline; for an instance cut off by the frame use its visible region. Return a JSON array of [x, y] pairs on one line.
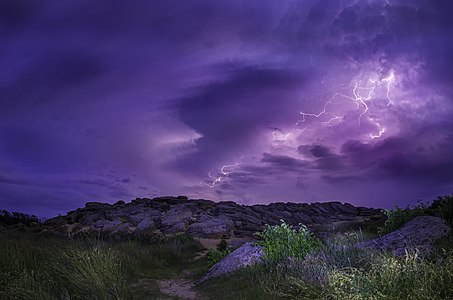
[[178, 287], [183, 285]]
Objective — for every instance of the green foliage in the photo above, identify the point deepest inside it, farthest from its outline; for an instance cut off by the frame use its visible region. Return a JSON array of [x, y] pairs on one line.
[[222, 250], [283, 241], [389, 277], [222, 245], [399, 216], [94, 271], [341, 272], [12, 218], [441, 207], [33, 267]]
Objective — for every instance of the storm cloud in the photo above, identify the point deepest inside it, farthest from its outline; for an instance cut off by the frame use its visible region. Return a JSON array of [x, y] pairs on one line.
[[250, 101]]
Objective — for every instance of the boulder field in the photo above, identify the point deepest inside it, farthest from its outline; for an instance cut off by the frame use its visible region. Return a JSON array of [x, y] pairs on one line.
[[418, 235], [200, 218]]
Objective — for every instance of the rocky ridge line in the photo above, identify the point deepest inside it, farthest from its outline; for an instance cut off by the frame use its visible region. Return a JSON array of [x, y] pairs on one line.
[[200, 218]]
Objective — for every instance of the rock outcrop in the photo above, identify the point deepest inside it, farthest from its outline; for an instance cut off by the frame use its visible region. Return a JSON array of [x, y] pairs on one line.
[[205, 219], [419, 233], [244, 256]]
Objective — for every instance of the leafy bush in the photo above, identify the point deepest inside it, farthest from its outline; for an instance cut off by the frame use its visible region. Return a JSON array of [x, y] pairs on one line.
[[343, 273], [214, 256], [399, 216], [441, 207], [13, 218], [283, 241]]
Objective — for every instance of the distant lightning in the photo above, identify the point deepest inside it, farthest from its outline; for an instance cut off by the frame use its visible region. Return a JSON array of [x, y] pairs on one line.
[[363, 93], [333, 120], [279, 135], [381, 132], [314, 115], [221, 173], [225, 173]]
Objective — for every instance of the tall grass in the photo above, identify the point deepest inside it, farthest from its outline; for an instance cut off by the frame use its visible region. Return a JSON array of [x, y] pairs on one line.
[[95, 272], [339, 271], [389, 277], [39, 268]]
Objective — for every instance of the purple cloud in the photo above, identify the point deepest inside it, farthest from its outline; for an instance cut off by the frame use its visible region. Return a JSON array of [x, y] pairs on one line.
[[249, 101]]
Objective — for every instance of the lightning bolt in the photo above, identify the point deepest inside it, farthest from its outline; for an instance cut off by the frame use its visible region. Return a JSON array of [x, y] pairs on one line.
[[362, 96], [221, 173], [360, 93], [279, 135]]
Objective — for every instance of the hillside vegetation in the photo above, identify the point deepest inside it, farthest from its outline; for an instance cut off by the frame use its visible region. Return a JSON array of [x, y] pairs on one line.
[[298, 265]]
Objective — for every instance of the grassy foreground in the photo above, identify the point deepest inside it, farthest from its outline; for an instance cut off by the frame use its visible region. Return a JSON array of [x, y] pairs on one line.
[[298, 266], [339, 272], [49, 268], [34, 267]]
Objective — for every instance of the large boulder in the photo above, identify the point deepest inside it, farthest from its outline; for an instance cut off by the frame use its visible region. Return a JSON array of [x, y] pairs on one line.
[[246, 255], [418, 234], [211, 226]]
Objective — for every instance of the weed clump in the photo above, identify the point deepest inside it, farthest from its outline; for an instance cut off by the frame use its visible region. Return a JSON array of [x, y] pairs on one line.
[[441, 207], [222, 250], [282, 241]]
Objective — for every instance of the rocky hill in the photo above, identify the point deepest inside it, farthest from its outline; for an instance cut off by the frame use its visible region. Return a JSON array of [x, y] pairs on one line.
[[199, 218]]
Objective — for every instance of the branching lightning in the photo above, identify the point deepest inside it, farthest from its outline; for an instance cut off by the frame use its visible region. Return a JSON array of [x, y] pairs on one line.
[[363, 94], [220, 173]]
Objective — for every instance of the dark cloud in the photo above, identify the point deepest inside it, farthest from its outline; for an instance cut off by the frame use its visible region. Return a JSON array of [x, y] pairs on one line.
[[315, 150], [284, 162], [44, 82], [14, 15], [413, 158], [7, 179], [231, 114]]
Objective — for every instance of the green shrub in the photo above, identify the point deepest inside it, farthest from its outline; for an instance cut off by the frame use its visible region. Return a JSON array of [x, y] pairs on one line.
[[283, 241], [398, 216], [443, 207], [12, 218], [214, 256], [339, 271]]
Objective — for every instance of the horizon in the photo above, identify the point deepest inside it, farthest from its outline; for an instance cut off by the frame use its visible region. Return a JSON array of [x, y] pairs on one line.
[[247, 101], [185, 198]]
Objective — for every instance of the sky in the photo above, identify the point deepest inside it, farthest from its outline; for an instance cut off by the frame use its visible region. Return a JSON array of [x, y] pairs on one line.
[[254, 101]]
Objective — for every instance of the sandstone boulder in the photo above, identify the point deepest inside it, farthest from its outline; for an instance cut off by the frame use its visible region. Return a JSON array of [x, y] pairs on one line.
[[208, 226], [419, 233], [246, 255]]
